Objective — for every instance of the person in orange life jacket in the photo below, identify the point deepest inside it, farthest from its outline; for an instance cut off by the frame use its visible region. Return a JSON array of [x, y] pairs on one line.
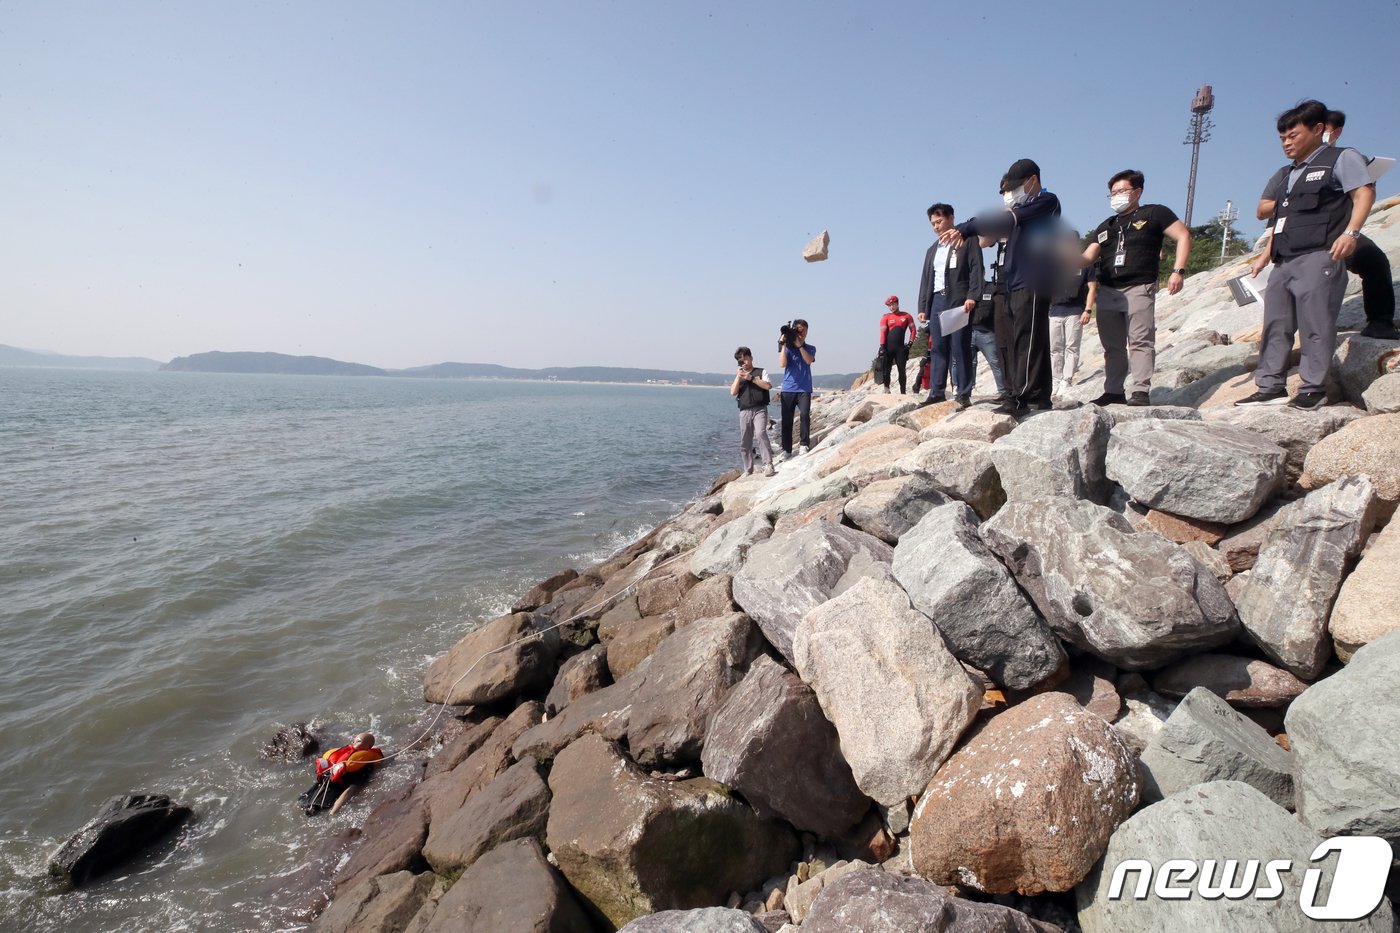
[[1326, 194], [952, 277], [340, 773], [1369, 262], [1128, 248], [751, 390], [896, 337]]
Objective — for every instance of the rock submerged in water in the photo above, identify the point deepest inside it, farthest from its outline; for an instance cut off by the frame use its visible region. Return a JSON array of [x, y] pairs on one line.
[[292, 743], [125, 826]]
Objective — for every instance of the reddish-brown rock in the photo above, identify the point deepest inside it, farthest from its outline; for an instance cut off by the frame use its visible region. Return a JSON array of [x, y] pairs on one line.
[[830, 510], [1245, 683], [544, 591], [1181, 530]]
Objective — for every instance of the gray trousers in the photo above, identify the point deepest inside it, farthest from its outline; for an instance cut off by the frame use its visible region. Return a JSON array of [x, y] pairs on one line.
[[1304, 296], [1128, 331], [754, 421], [1065, 333]]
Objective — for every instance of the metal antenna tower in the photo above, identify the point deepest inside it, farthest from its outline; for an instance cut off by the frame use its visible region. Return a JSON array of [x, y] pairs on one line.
[[1199, 132], [1227, 220]]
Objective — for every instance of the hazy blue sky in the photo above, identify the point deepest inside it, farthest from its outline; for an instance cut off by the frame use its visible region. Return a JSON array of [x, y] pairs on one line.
[[595, 183]]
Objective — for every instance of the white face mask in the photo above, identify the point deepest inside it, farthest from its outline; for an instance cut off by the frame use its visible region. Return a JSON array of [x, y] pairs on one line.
[[1327, 139], [1019, 195], [1119, 202], [1008, 197]]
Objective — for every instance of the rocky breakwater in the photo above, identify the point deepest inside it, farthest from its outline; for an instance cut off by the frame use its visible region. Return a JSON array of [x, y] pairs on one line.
[[946, 671]]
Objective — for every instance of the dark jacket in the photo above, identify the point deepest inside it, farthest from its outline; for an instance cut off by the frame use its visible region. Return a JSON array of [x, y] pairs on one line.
[[961, 279], [1032, 230]]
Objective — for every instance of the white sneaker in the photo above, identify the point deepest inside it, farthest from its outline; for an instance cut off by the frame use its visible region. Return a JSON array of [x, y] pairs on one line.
[[801, 450], [769, 471]]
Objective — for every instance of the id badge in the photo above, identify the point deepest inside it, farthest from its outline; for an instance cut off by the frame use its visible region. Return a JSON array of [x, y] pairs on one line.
[[986, 296], [952, 260], [1278, 227], [1120, 259]]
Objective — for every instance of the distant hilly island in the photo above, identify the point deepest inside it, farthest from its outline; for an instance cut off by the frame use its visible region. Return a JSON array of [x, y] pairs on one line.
[[283, 364]]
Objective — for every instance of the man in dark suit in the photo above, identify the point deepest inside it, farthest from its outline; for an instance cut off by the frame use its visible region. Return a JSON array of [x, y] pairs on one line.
[[952, 278]]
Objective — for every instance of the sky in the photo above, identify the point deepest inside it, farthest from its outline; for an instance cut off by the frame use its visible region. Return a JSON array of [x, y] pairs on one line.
[[597, 183]]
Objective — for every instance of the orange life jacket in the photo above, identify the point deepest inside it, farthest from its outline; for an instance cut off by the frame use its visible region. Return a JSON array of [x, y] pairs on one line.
[[353, 759]]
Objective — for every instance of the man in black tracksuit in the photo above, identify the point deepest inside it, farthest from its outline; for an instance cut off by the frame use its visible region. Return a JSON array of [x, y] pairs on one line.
[[1030, 224]]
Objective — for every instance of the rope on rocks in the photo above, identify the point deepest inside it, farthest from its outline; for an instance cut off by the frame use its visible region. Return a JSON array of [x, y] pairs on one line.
[[539, 634]]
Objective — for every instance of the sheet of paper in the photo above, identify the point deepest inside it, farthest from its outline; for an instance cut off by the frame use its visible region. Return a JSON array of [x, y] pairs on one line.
[[1379, 166], [952, 320]]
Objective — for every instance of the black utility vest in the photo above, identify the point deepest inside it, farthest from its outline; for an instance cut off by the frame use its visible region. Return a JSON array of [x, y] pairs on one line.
[[1142, 250], [1315, 212], [751, 396]]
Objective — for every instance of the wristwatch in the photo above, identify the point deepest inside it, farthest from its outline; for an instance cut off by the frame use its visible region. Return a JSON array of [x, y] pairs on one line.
[[1354, 234], [1181, 271]]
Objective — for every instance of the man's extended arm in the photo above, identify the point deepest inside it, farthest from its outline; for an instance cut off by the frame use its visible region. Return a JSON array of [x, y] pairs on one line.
[[1179, 232], [1361, 200], [974, 276]]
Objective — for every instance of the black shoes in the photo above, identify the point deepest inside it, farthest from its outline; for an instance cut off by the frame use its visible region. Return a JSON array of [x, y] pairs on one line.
[[1307, 401], [1378, 330], [964, 402], [1110, 398], [1265, 397], [1138, 400]]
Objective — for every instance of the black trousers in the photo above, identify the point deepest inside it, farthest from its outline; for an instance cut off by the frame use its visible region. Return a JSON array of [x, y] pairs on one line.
[[798, 402], [1027, 363], [896, 356], [1377, 290]]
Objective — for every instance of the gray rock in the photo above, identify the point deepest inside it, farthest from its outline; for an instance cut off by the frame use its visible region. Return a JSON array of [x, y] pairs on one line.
[[1368, 604], [1347, 747], [897, 696], [1058, 453], [1285, 603], [1358, 362], [873, 901], [1219, 821], [1134, 599], [392, 840], [511, 889], [1143, 715], [832, 486], [1241, 546], [771, 728], [684, 684], [1202, 470], [605, 711], [291, 743], [633, 845], [1382, 397], [382, 902], [953, 578], [890, 507], [493, 663], [972, 424], [684, 531], [1205, 740], [1209, 558], [1244, 683], [723, 552], [1124, 413], [1205, 360], [1297, 432], [700, 920], [583, 673], [786, 576], [960, 468], [713, 596], [817, 247], [126, 825], [513, 806]]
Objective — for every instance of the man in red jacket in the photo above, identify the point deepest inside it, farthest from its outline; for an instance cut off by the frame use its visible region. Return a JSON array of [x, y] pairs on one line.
[[340, 773], [897, 330]]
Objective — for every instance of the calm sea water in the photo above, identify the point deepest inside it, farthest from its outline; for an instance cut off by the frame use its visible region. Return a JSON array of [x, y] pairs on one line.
[[189, 560]]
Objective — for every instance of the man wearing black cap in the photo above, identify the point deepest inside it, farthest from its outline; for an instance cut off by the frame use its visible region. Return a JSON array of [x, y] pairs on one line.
[[1030, 267]]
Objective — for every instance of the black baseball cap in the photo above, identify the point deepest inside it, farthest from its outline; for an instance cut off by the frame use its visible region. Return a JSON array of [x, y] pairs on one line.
[[1019, 171]]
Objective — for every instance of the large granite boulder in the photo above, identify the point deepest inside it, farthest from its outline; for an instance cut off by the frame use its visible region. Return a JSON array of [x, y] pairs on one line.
[[375, 903], [1347, 747], [1028, 804], [1285, 603], [1134, 599], [1214, 472], [1383, 396], [1222, 827], [544, 591], [1368, 605], [630, 644], [1206, 740], [960, 468], [834, 486], [1359, 361], [125, 826], [712, 596], [952, 577], [771, 729], [897, 696], [445, 793], [1297, 432], [606, 711], [700, 920], [511, 889], [786, 576], [633, 845], [583, 673], [1368, 446], [1057, 453], [873, 901], [392, 840], [890, 507], [1244, 683], [723, 551], [513, 806], [497, 661], [970, 424], [685, 682]]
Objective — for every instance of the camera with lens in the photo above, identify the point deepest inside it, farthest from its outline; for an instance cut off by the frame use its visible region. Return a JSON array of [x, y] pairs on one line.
[[787, 336]]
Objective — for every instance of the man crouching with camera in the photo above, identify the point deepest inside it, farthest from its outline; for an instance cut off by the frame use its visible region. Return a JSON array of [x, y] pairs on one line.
[[795, 356]]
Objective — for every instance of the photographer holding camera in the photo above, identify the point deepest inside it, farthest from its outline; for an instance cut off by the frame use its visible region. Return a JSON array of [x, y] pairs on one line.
[[795, 356]]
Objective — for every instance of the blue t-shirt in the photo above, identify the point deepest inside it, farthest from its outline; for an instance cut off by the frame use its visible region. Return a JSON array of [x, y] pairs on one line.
[[797, 377]]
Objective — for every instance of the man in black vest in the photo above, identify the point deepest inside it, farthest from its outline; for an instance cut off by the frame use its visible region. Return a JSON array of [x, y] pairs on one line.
[[952, 278], [1128, 248], [1325, 195], [751, 390]]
